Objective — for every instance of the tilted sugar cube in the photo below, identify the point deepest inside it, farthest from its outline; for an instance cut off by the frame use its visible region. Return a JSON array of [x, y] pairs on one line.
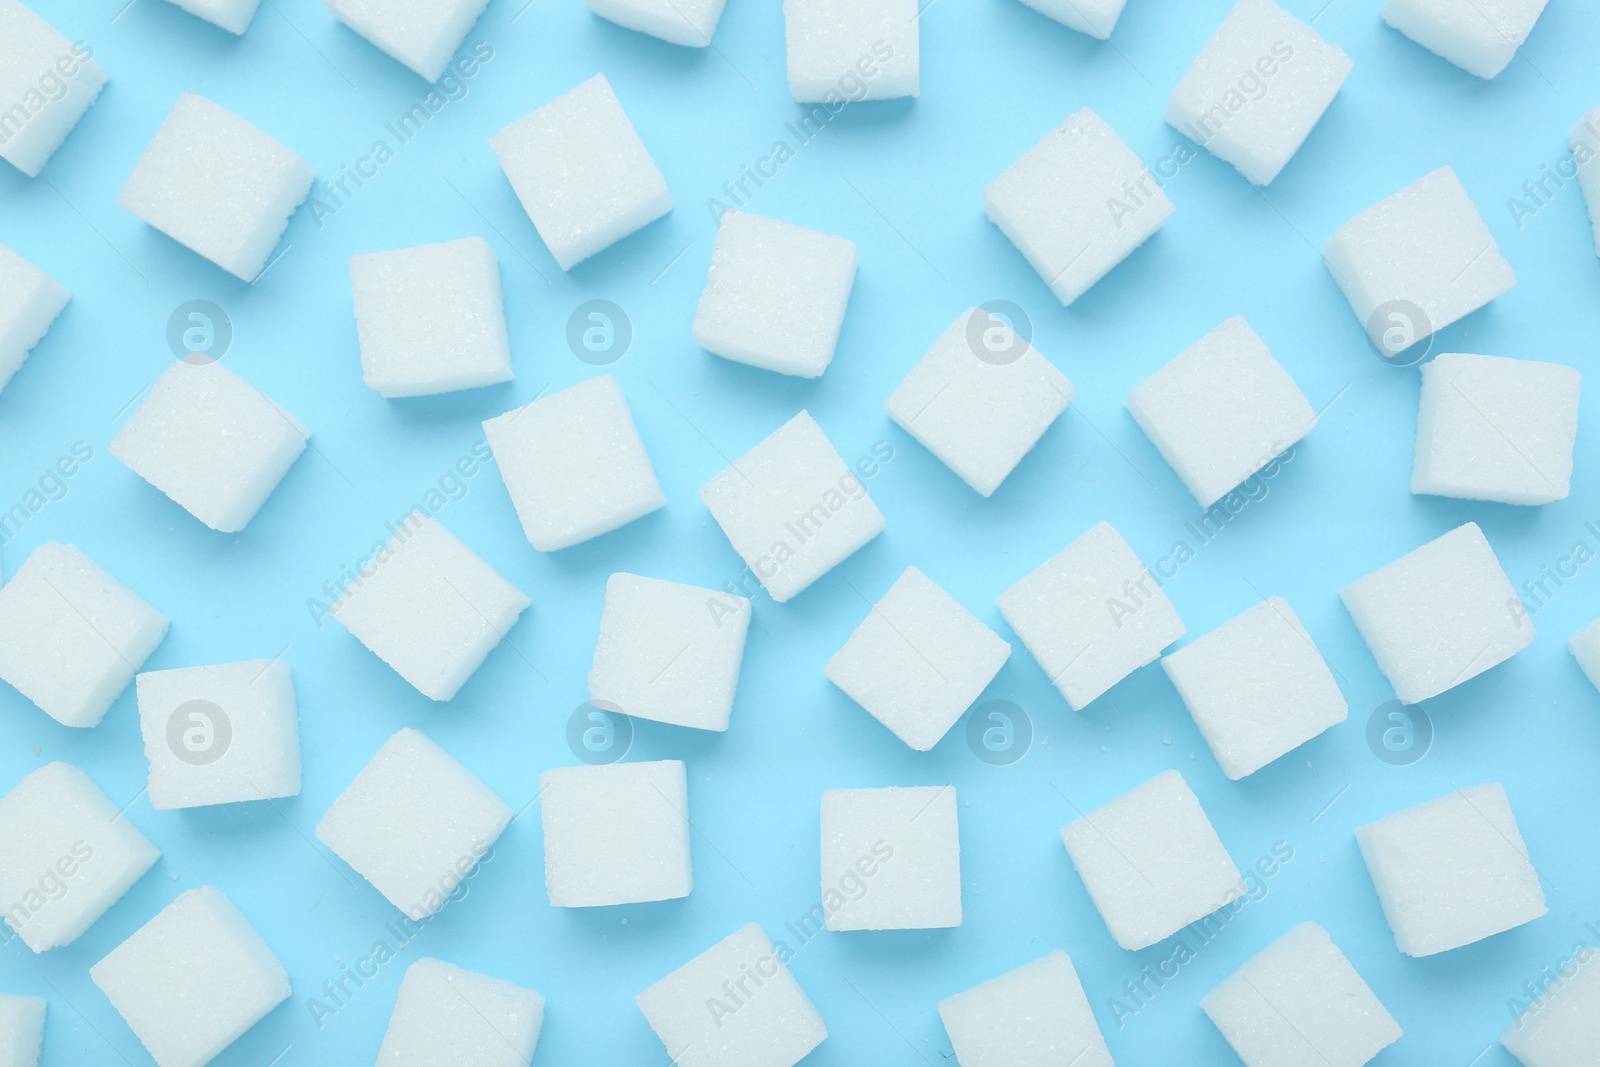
[[191, 981], [422, 34], [1498, 429], [1034, 1016], [71, 636], [616, 833], [67, 854], [445, 1014], [685, 22], [431, 318], [1562, 1026], [21, 1030], [1452, 871], [414, 823], [980, 399], [891, 858], [217, 185], [1152, 862], [583, 175], [1585, 144], [1439, 615], [30, 301], [850, 50], [1097, 18], [1585, 647], [47, 83], [1480, 38], [232, 15]]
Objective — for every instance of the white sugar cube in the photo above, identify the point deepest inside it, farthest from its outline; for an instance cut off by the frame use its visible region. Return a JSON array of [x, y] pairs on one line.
[[891, 858], [232, 15], [851, 50], [1077, 204], [1480, 38], [1221, 411], [669, 652], [71, 636], [1091, 615], [220, 734], [67, 854], [46, 81], [1585, 144], [191, 981], [422, 34], [431, 318], [1452, 871], [217, 185], [1416, 262], [414, 823], [430, 607], [1585, 647], [918, 661], [583, 175], [792, 507], [1097, 18], [1034, 1016], [1498, 429], [445, 1014], [1562, 1027], [211, 441], [980, 399], [685, 22], [616, 833], [1152, 862], [1257, 89], [1299, 1001], [30, 301], [1439, 615], [21, 1030], [734, 1005]]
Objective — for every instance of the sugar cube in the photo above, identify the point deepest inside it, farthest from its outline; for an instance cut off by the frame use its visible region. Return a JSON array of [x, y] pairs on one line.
[[1299, 1001], [429, 607], [1077, 204], [1498, 429], [843, 51], [414, 823], [1439, 615], [1034, 1016], [447, 1015], [67, 854], [1478, 37], [217, 185], [431, 318], [616, 833], [583, 175], [685, 22], [1585, 647], [1561, 1028], [792, 508], [48, 83], [1585, 144], [891, 858], [211, 441], [980, 399], [918, 661], [71, 636], [1097, 18], [30, 301], [191, 981], [232, 15], [1091, 615], [734, 1005], [422, 34], [1452, 871], [574, 464], [669, 652], [21, 1030], [220, 734], [1152, 862]]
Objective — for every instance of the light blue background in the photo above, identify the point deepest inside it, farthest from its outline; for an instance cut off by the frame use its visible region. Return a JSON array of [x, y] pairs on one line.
[[904, 181]]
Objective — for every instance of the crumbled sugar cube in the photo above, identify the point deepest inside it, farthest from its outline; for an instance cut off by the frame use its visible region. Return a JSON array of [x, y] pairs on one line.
[[685, 22], [1439, 615], [1221, 411], [431, 318], [1258, 89], [792, 508], [1585, 647], [1498, 429], [1562, 1027], [217, 185], [1452, 871], [1091, 615], [191, 981], [918, 660], [846, 51], [1480, 38], [422, 34], [574, 464], [1077, 204], [71, 636], [211, 441], [445, 1015], [1585, 144], [734, 1005], [775, 295], [47, 82], [67, 854], [429, 607], [1257, 687], [891, 858], [1097, 18], [980, 399], [30, 301], [21, 1030], [616, 833], [1034, 1016], [1152, 862], [669, 652], [232, 15], [1416, 262], [220, 734], [583, 175], [1299, 1001], [414, 823]]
